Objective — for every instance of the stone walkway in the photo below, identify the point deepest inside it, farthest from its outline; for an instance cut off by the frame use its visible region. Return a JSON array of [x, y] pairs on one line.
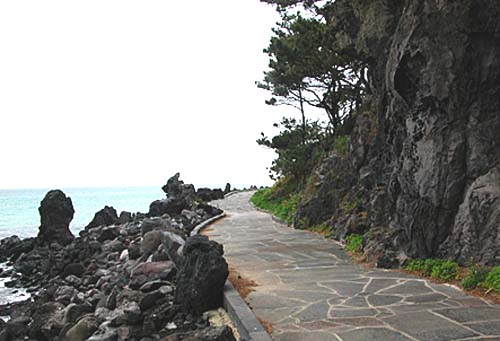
[[309, 289]]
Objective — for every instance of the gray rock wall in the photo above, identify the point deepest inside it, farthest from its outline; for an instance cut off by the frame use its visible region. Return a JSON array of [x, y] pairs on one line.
[[426, 146]]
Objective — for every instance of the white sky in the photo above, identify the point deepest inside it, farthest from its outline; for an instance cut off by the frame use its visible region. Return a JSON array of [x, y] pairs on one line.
[[126, 93]]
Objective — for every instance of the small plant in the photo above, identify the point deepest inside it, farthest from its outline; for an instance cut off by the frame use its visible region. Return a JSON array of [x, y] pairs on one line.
[[429, 265], [492, 280], [445, 270], [321, 229], [354, 243], [350, 206], [415, 265], [341, 144], [475, 277], [436, 268]]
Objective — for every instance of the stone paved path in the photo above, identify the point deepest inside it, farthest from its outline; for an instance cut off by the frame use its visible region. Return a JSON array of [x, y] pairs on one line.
[[310, 290]]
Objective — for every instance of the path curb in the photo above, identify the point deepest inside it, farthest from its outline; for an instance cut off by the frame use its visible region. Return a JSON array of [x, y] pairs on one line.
[[205, 223], [249, 327]]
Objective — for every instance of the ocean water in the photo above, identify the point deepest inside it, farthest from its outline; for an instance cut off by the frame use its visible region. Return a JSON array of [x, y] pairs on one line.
[[19, 208]]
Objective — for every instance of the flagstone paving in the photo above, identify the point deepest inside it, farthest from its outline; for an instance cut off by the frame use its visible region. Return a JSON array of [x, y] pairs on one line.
[[309, 289]]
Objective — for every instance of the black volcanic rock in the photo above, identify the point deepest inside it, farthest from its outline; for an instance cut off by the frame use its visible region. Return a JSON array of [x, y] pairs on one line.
[[207, 194], [105, 217], [201, 275], [56, 212]]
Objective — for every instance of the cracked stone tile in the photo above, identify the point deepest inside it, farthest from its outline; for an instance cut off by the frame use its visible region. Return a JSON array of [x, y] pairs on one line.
[[345, 289], [409, 288], [373, 334], [471, 314], [319, 325], [339, 313], [491, 328], [276, 315], [425, 325], [266, 301], [358, 321], [411, 308], [377, 284], [304, 336], [383, 300], [316, 311], [433, 297], [307, 296], [356, 302]]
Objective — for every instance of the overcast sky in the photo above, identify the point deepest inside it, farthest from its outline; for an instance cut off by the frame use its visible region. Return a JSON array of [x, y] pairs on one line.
[[126, 93]]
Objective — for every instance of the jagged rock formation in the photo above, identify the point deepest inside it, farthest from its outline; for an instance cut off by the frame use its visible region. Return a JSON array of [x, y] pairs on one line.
[[56, 212], [424, 152], [105, 217]]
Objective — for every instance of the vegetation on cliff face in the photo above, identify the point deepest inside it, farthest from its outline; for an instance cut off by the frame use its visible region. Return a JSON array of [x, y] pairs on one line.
[[408, 153]]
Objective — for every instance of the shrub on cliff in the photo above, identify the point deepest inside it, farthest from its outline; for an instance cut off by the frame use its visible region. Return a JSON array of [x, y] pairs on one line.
[[492, 281], [279, 202]]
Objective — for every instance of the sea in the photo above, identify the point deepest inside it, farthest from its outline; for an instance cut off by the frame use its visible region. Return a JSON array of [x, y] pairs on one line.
[[19, 215], [19, 207]]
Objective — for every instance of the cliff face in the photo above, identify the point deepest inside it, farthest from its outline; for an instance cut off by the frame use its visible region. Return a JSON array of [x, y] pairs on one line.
[[425, 152]]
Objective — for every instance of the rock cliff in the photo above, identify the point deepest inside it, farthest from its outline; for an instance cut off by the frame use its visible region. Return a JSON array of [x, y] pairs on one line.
[[422, 174]]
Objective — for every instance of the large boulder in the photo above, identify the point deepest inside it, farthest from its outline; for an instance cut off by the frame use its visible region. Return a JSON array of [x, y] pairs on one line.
[[170, 206], [56, 212], [207, 194], [105, 217], [201, 275]]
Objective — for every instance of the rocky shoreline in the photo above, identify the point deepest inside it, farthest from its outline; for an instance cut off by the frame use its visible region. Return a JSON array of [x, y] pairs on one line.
[[125, 277]]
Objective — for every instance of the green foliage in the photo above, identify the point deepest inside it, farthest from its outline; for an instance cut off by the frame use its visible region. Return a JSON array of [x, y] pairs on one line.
[[354, 243], [445, 270], [305, 67], [415, 265], [475, 277], [297, 149], [322, 229], [492, 280], [341, 144], [436, 268], [350, 206], [284, 206]]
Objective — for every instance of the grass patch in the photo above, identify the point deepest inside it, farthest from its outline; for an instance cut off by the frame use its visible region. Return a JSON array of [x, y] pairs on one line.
[[349, 206], [324, 230], [354, 243], [284, 207], [436, 268], [475, 277], [492, 280]]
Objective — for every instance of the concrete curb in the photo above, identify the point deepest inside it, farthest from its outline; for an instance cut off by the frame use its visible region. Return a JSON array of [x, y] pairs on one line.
[[249, 327], [204, 224]]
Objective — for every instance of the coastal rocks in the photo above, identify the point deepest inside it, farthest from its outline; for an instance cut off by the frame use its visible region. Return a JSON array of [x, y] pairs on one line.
[[56, 212], [207, 194], [83, 329], [105, 217], [227, 189], [201, 275], [114, 282]]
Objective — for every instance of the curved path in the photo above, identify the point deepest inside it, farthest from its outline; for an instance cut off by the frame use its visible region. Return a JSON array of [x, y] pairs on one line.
[[309, 289]]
